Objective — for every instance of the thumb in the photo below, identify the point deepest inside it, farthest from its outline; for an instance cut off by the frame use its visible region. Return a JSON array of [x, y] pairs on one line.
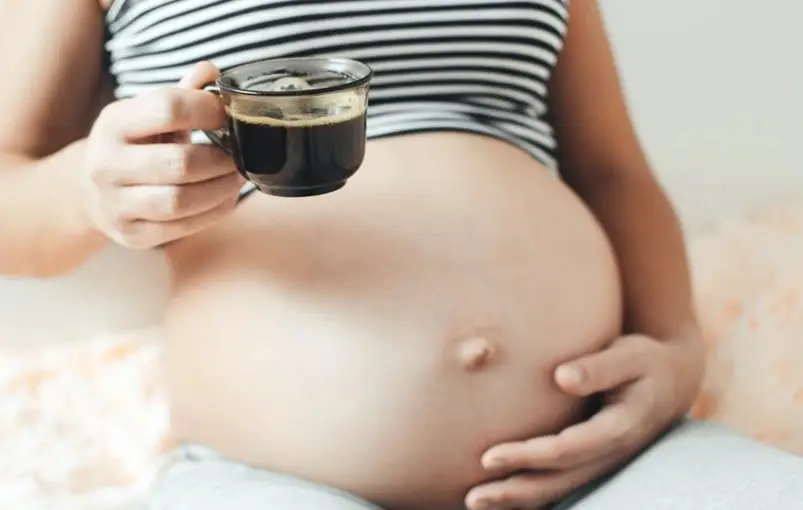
[[622, 362], [201, 75]]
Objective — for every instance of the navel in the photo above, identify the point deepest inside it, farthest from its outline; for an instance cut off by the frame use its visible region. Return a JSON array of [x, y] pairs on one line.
[[474, 352]]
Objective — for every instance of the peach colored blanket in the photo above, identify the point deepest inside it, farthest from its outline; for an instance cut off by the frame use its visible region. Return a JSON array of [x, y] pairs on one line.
[[83, 426]]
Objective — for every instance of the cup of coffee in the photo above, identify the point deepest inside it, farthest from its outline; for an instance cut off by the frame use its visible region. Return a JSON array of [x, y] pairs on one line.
[[296, 126]]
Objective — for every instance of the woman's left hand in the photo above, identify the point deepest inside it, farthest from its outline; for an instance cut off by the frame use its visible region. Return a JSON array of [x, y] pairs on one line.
[[647, 385]]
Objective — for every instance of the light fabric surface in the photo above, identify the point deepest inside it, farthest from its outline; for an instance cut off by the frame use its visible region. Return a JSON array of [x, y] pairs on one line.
[[196, 478], [702, 466], [697, 466]]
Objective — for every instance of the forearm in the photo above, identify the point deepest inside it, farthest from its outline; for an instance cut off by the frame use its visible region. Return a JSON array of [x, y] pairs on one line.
[[42, 225], [650, 249]]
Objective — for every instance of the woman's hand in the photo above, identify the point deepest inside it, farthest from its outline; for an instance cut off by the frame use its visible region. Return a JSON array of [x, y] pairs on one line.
[[647, 385], [146, 184]]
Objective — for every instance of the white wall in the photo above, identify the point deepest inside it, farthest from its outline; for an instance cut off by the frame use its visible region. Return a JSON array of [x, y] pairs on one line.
[[715, 87]]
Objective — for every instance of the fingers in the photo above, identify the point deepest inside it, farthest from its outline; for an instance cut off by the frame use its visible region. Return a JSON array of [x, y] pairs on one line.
[[168, 203], [638, 407], [145, 234], [160, 164], [201, 75], [624, 361], [162, 111], [159, 217], [534, 491], [618, 429], [146, 184]]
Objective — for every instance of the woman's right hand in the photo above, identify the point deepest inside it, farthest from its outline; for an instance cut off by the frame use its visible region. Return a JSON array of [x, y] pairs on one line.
[[146, 184]]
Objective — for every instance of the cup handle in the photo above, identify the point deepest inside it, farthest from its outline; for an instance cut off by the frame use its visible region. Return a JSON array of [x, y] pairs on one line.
[[219, 137]]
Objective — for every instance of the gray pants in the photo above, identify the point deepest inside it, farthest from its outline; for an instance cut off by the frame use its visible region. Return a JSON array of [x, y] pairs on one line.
[[696, 466]]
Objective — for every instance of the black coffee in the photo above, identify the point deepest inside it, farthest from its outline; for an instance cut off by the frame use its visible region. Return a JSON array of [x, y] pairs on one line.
[[296, 158]]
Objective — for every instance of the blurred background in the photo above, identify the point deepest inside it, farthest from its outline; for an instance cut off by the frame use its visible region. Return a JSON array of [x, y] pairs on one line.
[[716, 90]]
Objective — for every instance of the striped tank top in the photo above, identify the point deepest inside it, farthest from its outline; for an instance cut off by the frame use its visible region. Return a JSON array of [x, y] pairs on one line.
[[478, 66]]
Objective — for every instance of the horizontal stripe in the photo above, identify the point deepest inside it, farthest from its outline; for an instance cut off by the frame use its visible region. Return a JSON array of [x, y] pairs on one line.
[[465, 108], [408, 64], [145, 14], [402, 119], [485, 77], [344, 41], [174, 34]]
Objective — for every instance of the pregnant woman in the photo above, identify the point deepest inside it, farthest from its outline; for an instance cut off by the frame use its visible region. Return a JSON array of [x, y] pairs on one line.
[[494, 312]]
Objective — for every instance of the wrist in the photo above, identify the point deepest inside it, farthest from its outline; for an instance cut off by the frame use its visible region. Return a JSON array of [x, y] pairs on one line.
[[78, 222], [67, 230], [690, 365]]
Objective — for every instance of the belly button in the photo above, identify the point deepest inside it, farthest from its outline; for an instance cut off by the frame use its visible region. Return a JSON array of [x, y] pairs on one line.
[[474, 353]]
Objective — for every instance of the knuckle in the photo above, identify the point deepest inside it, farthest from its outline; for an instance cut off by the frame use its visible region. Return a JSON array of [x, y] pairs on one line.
[[96, 162], [176, 106], [98, 172], [624, 432], [645, 355], [517, 495], [506, 496], [640, 346], [559, 455], [168, 105], [177, 162], [170, 201]]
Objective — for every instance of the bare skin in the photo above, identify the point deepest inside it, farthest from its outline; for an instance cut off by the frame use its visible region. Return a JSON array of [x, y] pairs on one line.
[[384, 323], [402, 325]]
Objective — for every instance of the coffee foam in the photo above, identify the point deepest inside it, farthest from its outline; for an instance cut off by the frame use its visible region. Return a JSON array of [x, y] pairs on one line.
[[260, 120]]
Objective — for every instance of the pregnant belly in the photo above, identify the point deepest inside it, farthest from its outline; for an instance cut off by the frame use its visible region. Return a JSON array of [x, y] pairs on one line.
[[378, 339]]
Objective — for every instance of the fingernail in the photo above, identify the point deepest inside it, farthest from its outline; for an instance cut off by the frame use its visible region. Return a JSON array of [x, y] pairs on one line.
[[569, 375]]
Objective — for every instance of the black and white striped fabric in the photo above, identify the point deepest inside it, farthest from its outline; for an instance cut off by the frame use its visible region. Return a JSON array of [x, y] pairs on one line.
[[480, 66]]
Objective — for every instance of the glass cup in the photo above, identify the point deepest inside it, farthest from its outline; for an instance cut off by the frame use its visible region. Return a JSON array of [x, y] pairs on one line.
[[296, 126]]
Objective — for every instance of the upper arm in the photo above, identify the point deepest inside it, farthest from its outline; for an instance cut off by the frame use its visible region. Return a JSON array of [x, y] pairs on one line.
[[52, 54], [595, 134]]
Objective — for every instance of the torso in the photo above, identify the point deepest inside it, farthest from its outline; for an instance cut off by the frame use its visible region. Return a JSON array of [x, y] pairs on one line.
[[323, 337], [379, 338]]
